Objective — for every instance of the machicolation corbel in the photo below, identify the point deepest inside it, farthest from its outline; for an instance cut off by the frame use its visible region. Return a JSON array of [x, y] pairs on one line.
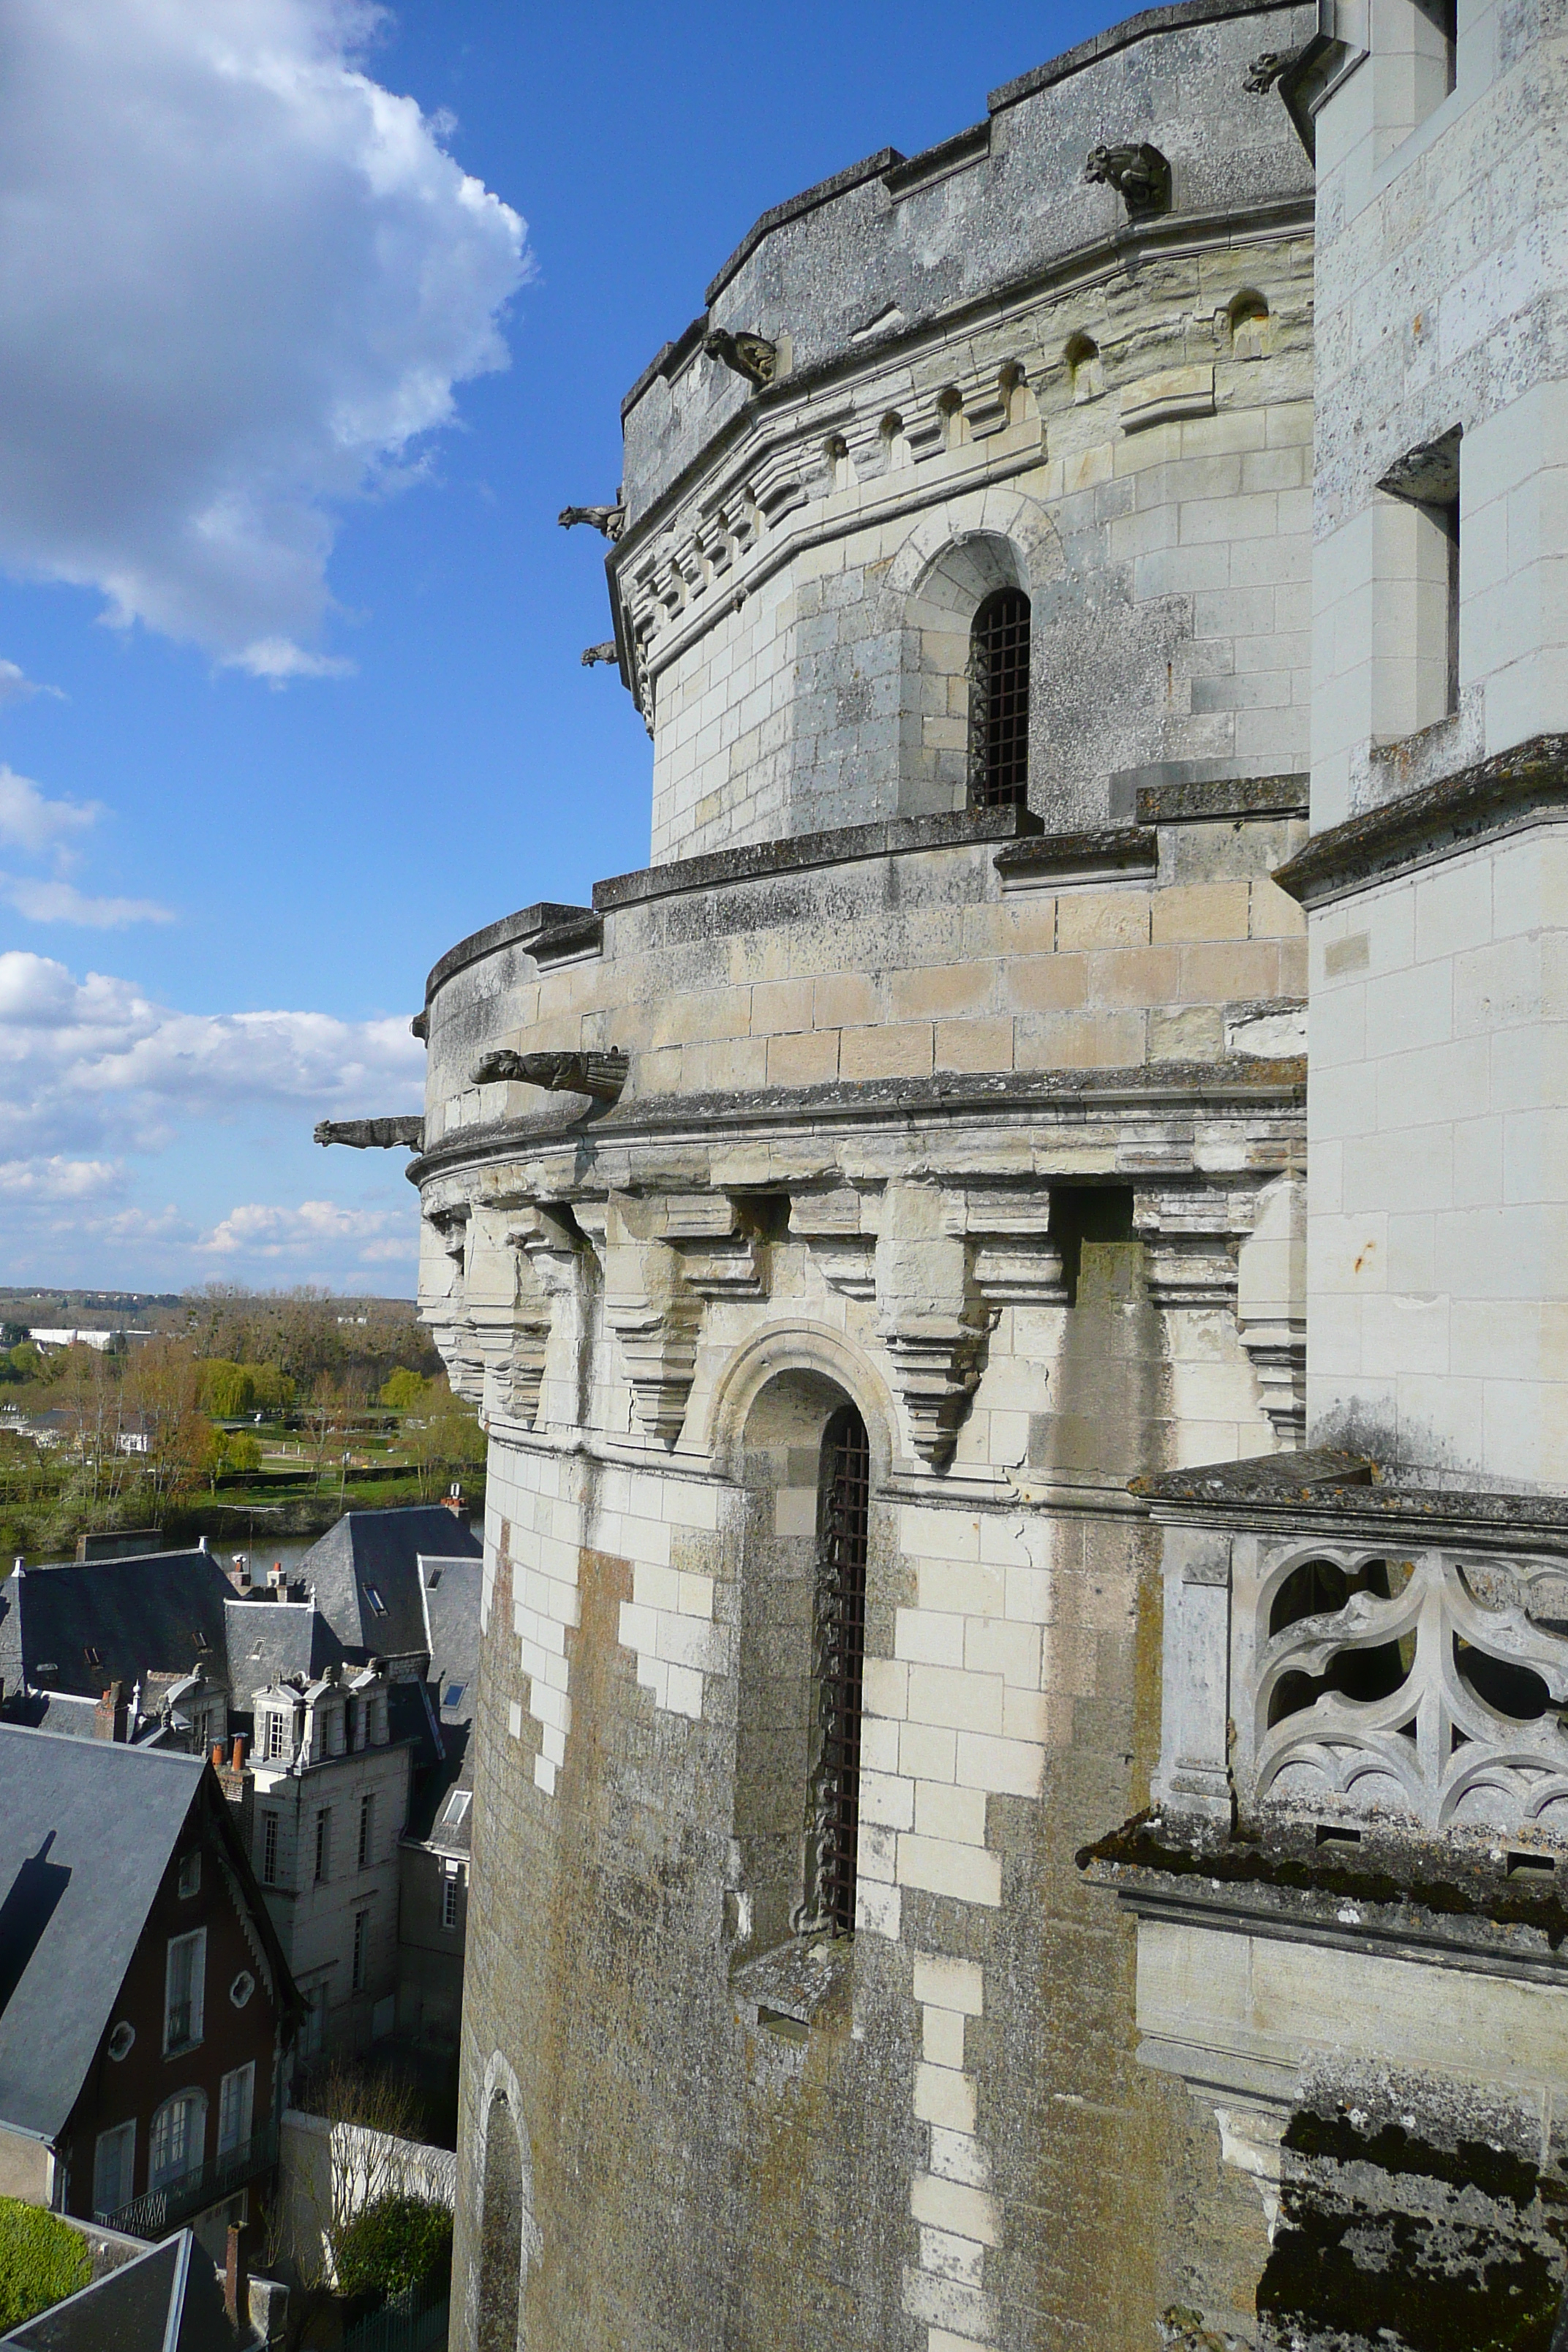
[[1139, 174]]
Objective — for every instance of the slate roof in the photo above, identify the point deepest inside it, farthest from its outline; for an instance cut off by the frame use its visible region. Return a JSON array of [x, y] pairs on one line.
[[82, 1625], [372, 1558], [87, 1831], [269, 1639], [451, 1590], [166, 2300]]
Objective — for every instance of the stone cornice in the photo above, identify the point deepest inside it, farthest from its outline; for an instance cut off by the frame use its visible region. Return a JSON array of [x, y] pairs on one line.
[[1346, 1496], [1238, 1085], [1494, 797]]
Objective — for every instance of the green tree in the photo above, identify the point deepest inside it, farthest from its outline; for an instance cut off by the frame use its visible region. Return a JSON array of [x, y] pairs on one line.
[[404, 1390], [227, 1390]]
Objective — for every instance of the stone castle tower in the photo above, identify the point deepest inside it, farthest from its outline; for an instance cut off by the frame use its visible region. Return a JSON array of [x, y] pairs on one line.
[[981, 1838]]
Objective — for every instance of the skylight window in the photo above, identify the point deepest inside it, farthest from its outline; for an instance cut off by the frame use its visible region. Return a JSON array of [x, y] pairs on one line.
[[454, 1695], [375, 1601]]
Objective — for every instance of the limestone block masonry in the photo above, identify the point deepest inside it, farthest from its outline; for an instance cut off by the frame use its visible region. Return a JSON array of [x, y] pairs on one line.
[[976, 1128]]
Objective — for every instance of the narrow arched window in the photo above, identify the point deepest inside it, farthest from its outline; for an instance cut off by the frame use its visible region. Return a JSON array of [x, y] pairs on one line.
[[999, 701], [838, 1665]]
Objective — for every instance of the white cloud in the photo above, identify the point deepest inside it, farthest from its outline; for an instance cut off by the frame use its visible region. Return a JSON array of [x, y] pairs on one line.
[[58, 1179], [61, 902], [239, 280], [29, 821], [256, 1231], [93, 1063], [16, 686]]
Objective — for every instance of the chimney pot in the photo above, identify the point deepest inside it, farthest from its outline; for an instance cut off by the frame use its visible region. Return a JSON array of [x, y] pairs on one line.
[[217, 1756], [239, 1754], [236, 2276]]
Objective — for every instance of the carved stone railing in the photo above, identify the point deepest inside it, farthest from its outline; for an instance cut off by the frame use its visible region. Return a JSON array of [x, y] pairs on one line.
[[1342, 1651]]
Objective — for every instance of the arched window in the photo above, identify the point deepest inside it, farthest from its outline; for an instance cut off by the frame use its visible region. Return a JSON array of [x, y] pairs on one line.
[[1249, 318], [500, 2230], [999, 701], [838, 1665], [177, 2141]]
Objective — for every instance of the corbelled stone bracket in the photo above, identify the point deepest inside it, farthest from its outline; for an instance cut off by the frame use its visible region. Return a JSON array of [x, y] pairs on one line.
[[932, 1320], [653, 1311], [602, 1076]]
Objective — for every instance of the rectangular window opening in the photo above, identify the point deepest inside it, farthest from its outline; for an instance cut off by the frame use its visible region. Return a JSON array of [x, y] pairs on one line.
[[366, 1831], [113, 2171], [1425, 607], [833, 1833], [1331, 1833], [1530, 1865], [449, 1901], [269, 1848], [236, 2097], [184, 1975], [323, 1844], [362, 1941]]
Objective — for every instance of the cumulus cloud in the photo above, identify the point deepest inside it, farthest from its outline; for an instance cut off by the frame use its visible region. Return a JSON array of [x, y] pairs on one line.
[[29, 821], [93, 1063], [239, 281], [16, 686], [372, 1236]]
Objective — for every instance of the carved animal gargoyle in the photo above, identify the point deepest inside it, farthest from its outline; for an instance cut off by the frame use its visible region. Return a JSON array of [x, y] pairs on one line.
[[1263, 72], [1141, 176], [611, 521], [749, 355], [602, 1076], [372, 1134], [605, 653]]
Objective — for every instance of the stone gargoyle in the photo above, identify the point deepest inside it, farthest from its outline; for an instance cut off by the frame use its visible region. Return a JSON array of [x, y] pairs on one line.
[[749, 355], [373, 1134], [1264, 71], [605, 653], [602, 1076], [1139, 174], [611, 521]]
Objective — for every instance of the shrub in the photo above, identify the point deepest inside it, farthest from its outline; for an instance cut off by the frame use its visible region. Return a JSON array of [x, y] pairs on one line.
[[242, 1452], [42, 2260], [391, 2245]]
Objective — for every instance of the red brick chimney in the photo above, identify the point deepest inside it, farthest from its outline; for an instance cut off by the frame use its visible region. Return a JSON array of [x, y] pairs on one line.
[[109, 1716], [236, 2277]]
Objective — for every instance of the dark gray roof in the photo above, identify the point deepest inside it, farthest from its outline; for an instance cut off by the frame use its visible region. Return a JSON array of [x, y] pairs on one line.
[[87, 1831], [371, 1557], [166, 2300], [452, 1615], [88, 1623], [269, 1639]]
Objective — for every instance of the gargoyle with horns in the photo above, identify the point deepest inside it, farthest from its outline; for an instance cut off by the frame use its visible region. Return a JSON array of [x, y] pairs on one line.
[[602, 1076]]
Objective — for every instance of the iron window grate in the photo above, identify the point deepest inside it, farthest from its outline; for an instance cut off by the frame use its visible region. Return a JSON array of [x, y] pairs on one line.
[[999, 701]]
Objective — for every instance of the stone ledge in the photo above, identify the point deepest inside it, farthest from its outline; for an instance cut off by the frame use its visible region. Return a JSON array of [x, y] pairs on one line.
[[894, 837], [1386, 1890], [1209, 803], [1494, 797], [1321, 1486], [549, 931], [1119, 852], [1179, 1087]]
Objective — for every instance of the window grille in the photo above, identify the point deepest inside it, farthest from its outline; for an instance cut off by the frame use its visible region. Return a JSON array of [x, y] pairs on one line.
[[999, 701], [323, 1844], [269, 1848], [362, 1939], [449, 1901], [839, 1662], [367, 1829]]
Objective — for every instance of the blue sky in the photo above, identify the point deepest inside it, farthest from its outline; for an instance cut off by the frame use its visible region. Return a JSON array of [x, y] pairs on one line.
[[304, 699]]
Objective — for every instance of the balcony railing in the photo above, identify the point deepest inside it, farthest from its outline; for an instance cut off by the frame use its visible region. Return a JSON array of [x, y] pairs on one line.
[[161, 2209]]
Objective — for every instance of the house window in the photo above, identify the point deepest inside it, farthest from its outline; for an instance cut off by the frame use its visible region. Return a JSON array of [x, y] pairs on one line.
[[366, 1831], [184, 1975], [178, 2139], [361, 1941], [190, 1874], [453, 1697], [269, 1848], [449, 1900], [275, 1737], [839, 1665], [323, 1844], [999, 701], [235, 2095], [113, 2171]]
